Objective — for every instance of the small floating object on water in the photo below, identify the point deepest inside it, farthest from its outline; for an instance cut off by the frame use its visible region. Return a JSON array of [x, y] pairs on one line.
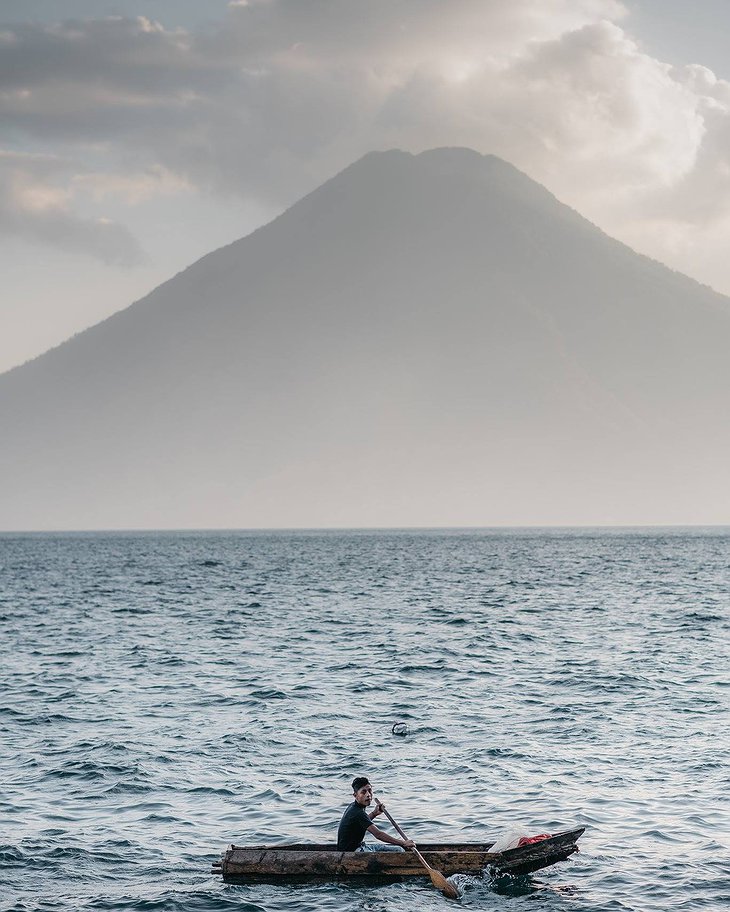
[[400, 728]]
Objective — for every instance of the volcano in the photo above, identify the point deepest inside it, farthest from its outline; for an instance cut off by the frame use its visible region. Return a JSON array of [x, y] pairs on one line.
[[424, 340]]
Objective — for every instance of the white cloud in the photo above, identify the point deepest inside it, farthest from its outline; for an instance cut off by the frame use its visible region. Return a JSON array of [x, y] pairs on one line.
[[132, 188], [36, 204], [285, 93]]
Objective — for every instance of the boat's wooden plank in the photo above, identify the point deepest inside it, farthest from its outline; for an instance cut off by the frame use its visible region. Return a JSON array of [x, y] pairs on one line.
[[545, 846], [529, 865], [241, 862]]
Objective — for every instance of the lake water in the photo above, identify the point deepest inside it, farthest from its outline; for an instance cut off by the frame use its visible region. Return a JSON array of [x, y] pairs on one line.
[[166, 694]]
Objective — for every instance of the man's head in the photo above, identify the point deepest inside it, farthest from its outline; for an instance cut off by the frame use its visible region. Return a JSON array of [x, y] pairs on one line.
[[362, 790]]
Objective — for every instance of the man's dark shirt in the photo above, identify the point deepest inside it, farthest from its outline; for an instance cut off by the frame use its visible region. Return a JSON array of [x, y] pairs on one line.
[[353, 825]]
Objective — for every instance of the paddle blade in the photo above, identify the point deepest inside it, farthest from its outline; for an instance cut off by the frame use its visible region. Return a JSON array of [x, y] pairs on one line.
[[441, 883]]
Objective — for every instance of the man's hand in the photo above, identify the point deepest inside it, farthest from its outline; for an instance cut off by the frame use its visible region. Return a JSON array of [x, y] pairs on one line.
[[379, 809], [409, 844]]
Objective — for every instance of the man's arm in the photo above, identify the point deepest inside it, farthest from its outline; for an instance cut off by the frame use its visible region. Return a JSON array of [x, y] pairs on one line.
[[384, 837]]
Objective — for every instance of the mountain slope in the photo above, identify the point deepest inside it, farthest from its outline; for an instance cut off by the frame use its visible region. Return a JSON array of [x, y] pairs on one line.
[[428, 339]]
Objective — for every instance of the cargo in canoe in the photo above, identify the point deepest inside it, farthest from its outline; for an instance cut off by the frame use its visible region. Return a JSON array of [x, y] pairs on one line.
[[306, 860]]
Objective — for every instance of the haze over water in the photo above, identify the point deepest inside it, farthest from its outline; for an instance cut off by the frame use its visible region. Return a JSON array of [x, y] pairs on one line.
[[166, 694]]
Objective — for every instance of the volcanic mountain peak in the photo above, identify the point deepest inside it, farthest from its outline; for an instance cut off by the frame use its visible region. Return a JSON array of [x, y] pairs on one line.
[[424, 339]]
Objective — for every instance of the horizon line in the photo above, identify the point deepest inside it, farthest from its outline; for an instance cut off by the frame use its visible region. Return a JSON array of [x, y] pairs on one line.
[[293, 529]]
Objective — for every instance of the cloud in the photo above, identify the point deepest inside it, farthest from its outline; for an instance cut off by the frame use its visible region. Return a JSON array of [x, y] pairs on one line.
[[35, 204], [282, 94], [132, 188]]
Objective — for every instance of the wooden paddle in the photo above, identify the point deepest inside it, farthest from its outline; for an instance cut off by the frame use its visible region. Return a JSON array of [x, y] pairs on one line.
[[437, 878]]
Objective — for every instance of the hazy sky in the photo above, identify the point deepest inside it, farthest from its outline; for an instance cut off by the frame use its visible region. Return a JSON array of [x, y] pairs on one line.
[[137, 136]]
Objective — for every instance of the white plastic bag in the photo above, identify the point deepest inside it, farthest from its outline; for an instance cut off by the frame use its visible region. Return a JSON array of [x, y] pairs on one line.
[[508, 839]]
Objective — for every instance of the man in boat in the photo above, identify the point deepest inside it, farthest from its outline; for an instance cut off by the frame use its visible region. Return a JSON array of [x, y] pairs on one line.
[[356, 822]]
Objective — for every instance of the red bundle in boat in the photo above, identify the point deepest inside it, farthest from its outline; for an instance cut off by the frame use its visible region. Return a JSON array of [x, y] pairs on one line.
[[528, 840]]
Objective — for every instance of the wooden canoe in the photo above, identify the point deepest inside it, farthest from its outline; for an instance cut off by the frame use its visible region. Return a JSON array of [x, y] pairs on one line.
[[325, 861]]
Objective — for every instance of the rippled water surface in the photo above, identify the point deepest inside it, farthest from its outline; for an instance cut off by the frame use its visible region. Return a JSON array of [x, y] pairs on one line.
[[166, 694]]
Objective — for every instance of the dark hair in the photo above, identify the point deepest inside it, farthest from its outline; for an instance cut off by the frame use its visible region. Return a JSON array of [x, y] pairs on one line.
[[358, 782]]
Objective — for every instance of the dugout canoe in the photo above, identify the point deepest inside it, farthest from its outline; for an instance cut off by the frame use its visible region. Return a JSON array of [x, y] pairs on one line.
[[307, 860]]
